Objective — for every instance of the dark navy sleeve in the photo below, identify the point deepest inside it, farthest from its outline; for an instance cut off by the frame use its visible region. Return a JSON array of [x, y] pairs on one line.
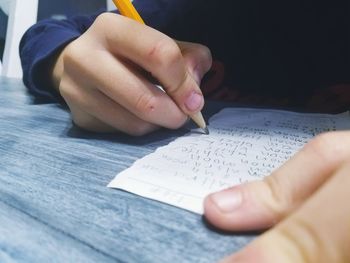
[[39, 46]]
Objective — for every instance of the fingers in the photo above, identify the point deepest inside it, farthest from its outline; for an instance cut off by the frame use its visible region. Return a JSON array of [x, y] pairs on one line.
[[157, 54], [316, 232], [261, 204], [104, 77], [124, 85], [94, 111]]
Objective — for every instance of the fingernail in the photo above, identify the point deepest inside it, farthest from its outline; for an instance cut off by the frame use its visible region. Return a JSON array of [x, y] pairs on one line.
[[228, 200], [194, 101]]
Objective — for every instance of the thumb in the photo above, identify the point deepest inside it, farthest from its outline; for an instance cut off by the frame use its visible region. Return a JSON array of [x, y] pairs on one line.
[[316, 232], [262, 204], [197, 58]]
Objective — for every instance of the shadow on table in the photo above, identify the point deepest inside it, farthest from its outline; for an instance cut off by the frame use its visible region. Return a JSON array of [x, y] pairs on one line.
[[162, 135], [121, 138], [209, 226]]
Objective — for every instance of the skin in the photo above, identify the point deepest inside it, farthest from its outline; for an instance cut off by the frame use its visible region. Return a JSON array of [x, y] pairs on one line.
[[107, 78], [304, 203]]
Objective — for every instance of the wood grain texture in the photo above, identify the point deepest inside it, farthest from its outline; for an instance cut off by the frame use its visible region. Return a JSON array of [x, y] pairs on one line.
[[55, 206]]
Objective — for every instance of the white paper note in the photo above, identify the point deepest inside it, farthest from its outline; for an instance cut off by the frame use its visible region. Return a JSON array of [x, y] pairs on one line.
[[243, 145]]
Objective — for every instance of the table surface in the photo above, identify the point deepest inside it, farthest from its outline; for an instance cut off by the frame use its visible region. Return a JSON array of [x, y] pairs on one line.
[[55, 206]]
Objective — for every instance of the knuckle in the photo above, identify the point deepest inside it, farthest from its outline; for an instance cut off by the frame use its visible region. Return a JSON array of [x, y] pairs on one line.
[[164, 53], [301, 239], [71, 56], [65, 92], [68, 92], [280, 201], [104, 19]]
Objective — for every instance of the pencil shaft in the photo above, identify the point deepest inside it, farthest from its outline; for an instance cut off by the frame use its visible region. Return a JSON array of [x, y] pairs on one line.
[[127, 9]]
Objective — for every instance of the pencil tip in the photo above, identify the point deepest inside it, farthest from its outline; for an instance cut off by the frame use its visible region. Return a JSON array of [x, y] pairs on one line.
[[206, 130]]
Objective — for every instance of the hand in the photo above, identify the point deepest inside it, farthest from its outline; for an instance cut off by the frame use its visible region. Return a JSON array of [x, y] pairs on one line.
[[306, 201], [105, 76]]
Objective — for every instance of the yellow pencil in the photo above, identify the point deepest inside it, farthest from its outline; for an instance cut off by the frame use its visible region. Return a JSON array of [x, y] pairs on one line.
[[127, 9]]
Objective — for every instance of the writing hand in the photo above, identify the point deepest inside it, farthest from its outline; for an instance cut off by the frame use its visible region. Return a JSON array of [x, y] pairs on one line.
[[306, 201], [105, 77]]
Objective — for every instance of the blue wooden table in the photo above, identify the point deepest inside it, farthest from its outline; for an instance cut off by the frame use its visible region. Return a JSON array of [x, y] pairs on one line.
[[55, 206]]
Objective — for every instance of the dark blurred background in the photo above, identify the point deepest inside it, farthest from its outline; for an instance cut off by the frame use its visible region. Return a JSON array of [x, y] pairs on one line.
[[48, 8], [56, 9]]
